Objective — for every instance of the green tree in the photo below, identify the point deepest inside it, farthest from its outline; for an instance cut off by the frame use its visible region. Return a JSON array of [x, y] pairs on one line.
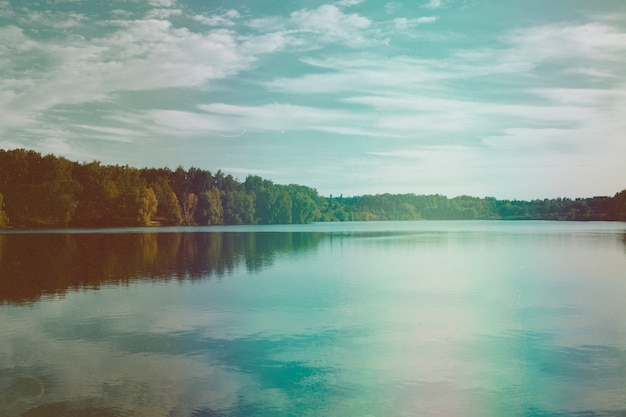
[[304, 208], [41, 192], [147, 206], [180, 184], [190, 201], [306, 204], [168, 208], [282, 208], [209, 210], [264, 198], [199, 180], [617, 207], [238, 207]]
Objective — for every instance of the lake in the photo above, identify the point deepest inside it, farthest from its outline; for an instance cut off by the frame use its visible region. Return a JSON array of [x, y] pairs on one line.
[[431, 318]]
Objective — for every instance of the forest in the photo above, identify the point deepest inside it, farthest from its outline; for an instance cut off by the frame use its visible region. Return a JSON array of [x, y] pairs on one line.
[[49, 192]]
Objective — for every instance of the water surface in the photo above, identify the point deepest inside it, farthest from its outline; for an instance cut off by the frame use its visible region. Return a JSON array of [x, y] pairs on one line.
[[352, 319]]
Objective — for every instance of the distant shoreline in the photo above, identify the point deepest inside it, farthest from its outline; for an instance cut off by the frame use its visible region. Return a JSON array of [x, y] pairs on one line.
[[47, 192], [189, 228]]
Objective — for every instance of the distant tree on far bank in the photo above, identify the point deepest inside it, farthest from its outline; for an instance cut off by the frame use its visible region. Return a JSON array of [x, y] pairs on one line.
[[616, 207]]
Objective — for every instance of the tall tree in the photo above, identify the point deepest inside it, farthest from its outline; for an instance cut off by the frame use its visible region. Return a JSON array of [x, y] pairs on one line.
[[305, 204], [282, 208], [617, 207], [190, 201], [238, 207], [209, 209], [168, 207]]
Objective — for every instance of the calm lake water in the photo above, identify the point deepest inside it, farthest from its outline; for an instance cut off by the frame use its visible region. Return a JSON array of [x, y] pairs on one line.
[[354, 319]]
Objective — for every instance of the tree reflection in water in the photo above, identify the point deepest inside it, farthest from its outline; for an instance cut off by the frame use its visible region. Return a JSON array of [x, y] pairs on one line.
[[36, 265]]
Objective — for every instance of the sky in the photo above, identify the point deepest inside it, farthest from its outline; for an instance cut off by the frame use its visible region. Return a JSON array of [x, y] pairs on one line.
[[510, 99]]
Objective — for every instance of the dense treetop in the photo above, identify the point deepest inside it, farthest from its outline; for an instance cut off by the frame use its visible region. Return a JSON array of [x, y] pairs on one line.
[[47, 191]]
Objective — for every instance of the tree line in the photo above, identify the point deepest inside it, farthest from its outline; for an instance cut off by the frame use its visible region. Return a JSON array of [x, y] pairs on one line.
[[48, 191], [439, 207]]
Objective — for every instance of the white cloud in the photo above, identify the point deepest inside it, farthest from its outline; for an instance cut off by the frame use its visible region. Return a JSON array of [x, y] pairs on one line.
[[433, 4], [250, 171], [162, 3], [59, 146], [392, 6], [267, 43], [428, 168], [227, 18], [404, 23], [14, 42], [409, 94], [557, 42], [267, 24], [421, 113], [428, 152], [111, 131], [6, 144], [348, 3], [313, 28], [329, 24], [536, 141], [581, 96], [549, 81], [327, 18], [362, 73], [229, 120], [51, 19], [146, 54], [279, 117], [163, 14], [176, 122], [121, 14], [138, 55]]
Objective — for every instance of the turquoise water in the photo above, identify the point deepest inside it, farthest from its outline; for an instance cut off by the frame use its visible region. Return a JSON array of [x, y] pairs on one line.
[[351, 319]]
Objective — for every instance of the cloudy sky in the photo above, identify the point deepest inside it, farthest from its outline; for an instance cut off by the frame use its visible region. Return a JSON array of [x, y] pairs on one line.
[[512, 99]]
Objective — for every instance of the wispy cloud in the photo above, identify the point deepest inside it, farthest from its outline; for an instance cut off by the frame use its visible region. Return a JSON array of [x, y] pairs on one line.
[[148, 53], [361, 73], [120, 134], [321, 26], [134, 55], [251, 171], [162, 3], [404, 23], [348, 3], [59, 146], [566, 43], [162, 14], [54, 19], [392, 6], [330, 24], [161, 69], [420, 85], [429, 167], [279, 117], [226, 18], [433, 4], [427, 152], [221, 120]]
